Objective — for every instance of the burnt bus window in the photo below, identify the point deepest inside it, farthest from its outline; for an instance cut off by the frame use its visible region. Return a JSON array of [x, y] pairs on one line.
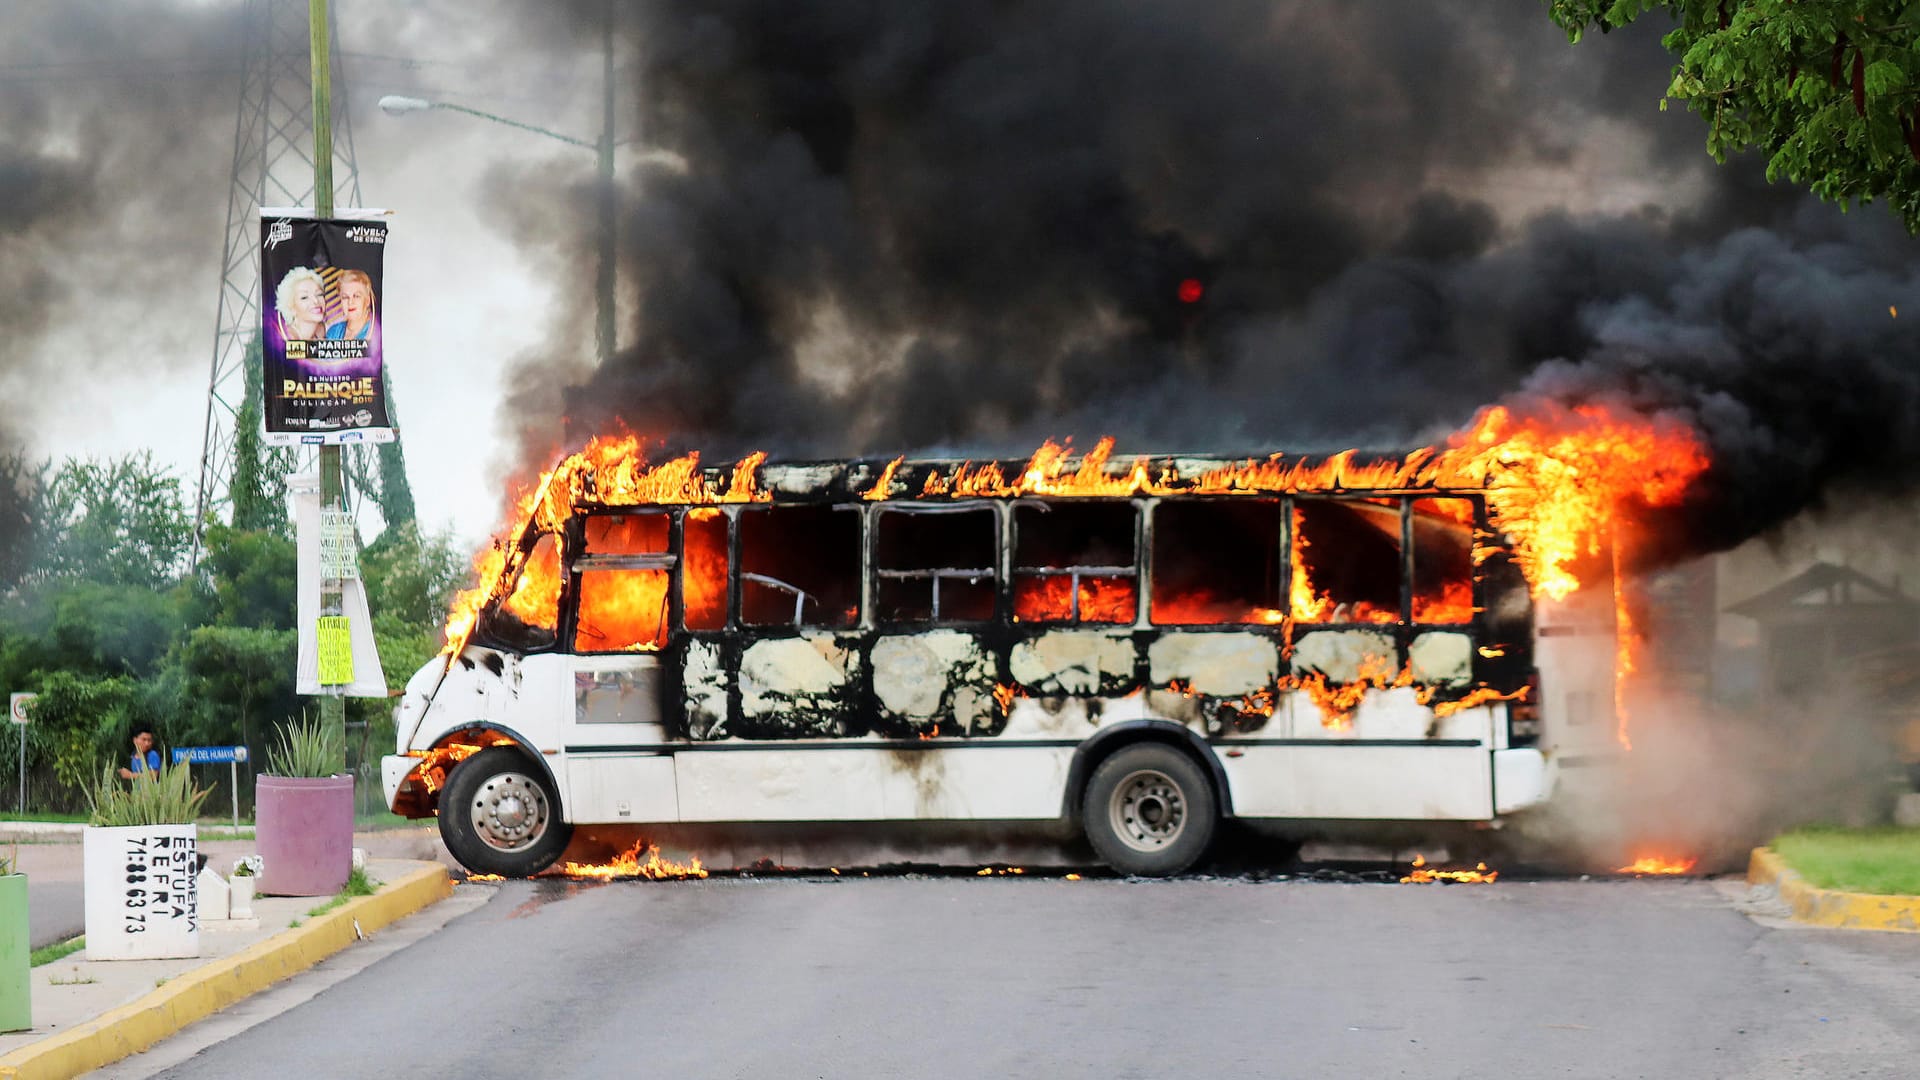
[[623, 608], [800, 566], [1443, 561], [529, 617], [1215, 562], [1074, 562], [1346, 561], [626, 534], [935, 566], [621, 611], [703, 569]]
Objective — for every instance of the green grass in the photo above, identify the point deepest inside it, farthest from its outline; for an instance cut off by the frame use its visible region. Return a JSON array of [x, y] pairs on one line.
[[1883, 860], [358, 884], [47, 954]]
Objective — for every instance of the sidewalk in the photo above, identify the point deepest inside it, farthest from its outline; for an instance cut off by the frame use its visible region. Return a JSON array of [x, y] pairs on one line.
[[87, 1013], [49, 854]]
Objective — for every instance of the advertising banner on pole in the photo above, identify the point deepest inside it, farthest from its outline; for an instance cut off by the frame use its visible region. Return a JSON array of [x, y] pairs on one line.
[[321, 308]]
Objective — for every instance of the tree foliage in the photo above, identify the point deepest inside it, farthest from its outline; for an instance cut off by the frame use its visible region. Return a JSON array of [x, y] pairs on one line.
[[100, 615], [1829, 90], [120, 521]]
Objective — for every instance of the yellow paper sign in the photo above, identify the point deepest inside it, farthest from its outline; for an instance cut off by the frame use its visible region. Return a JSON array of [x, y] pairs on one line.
[[335, 650]]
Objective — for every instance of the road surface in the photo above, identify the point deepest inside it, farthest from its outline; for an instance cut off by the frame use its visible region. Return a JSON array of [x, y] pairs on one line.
[[1029, 976]]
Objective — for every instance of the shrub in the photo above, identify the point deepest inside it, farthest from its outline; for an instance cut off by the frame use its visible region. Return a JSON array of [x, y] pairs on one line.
[[168, 797], [308, 747]]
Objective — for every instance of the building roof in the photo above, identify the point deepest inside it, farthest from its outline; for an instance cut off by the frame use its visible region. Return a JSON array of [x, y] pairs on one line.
[[1823, 587]]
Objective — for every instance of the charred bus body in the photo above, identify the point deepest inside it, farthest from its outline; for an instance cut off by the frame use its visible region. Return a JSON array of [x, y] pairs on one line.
[[866, 641]]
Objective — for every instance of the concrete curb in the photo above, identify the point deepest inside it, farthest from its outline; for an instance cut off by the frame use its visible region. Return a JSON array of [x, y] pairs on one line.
[[204, 991], [1831, 907]]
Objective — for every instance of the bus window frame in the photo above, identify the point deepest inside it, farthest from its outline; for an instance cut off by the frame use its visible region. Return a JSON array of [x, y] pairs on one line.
[[1282, 506], [572, 584], [1402, 537], [738, 576], [1133, 572], [529, 540], [999, 514]]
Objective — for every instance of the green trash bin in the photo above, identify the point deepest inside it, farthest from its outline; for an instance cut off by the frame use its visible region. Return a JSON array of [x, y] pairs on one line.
[[16, 1006]]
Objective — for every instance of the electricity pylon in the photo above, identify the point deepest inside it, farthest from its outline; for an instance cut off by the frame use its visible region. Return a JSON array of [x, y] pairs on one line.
[[273, 166]]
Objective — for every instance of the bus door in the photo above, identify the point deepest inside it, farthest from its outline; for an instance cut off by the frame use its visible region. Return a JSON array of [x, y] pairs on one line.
[[619, 764], [935, 584]]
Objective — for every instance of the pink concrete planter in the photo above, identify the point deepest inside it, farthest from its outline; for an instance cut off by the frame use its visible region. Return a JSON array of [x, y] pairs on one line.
[[304, 830]]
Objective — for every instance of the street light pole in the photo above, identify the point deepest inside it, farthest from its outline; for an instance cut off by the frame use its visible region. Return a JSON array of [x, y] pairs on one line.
[[605, 276], [333, 705], [604, 291]]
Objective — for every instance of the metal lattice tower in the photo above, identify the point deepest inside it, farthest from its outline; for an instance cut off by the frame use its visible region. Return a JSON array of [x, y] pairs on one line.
[[272, 166]]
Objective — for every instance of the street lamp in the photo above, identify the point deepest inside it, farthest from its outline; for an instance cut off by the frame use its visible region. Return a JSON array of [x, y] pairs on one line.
[[400, 105]]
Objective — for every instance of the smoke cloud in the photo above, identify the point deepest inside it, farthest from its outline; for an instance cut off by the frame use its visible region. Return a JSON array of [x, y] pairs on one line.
[[963, 227], [116, 131]]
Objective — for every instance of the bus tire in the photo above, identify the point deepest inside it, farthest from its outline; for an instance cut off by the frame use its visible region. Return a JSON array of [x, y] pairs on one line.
[[499, 815], [1149, 810]]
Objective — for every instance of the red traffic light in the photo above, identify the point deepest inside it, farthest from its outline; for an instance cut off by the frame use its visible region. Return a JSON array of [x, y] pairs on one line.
[[1191, 291]]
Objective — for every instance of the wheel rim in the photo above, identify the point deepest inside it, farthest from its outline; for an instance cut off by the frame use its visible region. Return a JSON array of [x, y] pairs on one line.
[[509, 812], [1148, 810]]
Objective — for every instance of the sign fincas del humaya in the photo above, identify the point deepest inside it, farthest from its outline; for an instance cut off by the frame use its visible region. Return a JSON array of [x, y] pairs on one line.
[[321, 310]]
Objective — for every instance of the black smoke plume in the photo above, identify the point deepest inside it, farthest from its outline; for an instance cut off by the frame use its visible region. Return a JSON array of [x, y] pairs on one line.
[[965, 226]]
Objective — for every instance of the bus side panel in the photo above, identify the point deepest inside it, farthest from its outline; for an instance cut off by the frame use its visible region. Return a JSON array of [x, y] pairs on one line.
[[1362, 781], [800, 686], [871, 783], [625, 787]]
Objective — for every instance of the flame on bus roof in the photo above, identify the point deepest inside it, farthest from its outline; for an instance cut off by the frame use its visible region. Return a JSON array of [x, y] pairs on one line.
[[1555, 480]]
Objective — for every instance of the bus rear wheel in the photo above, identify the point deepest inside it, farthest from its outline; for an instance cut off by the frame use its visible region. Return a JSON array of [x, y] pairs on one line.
[[1149, 810], [499, 815]]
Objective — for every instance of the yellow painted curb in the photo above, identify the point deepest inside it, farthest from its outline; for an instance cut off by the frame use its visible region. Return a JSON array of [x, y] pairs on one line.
[[204, 991], [1831, 907]]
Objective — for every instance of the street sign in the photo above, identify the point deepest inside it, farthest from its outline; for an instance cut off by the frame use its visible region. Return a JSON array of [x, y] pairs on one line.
[[17, 712], [230, 756], [209, 755]]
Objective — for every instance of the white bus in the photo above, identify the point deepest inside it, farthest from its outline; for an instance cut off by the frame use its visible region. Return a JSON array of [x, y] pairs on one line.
[[1142, 654]]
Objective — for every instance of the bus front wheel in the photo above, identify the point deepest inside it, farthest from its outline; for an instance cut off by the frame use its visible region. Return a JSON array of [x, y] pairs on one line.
[[1149, 810], [499, 815]]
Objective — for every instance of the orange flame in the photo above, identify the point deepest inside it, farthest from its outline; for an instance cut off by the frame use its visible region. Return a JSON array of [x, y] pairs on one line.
[[1658, 864], [629, 864], [608, 472], [1422, 874], [1556, 481], [1050, 598]]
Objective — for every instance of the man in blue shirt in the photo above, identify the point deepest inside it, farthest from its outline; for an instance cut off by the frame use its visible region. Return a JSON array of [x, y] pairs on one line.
[[145, 758]]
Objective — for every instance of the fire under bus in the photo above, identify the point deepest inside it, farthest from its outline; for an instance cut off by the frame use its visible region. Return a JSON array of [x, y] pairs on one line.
[[1139, 648]]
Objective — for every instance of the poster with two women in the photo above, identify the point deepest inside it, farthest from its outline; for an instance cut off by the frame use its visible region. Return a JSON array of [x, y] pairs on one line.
[[320, 307]]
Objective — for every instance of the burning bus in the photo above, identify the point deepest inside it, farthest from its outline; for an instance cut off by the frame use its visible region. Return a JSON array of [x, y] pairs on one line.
[[1139, 646]]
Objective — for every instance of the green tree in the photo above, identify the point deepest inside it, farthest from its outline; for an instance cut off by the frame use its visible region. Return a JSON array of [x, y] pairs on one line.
[[121, 521], [259, 496], [253, 573], [1829, 90]]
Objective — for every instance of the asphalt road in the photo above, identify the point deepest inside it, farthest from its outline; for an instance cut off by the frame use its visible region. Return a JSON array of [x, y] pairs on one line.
[[969, 977]]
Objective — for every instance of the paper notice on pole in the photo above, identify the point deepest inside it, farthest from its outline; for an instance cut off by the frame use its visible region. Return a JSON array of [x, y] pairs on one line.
[[370, 679], [333, 640], [339, 557]]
